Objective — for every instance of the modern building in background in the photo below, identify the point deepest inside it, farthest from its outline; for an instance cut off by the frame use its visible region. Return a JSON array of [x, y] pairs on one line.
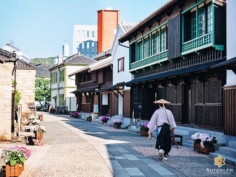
[[108, 20], [11, 48], [85, 40]]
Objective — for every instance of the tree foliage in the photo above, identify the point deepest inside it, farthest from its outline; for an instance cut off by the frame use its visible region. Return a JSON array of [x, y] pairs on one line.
[[42, 89], [47, 61], [17, 97]]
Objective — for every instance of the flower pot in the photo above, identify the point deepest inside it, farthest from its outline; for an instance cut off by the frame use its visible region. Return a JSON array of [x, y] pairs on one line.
[[89, 119], [41, 117], [104, 121], [143, 133], [39, 135], [206, 149], [14, 170], [117, 125]]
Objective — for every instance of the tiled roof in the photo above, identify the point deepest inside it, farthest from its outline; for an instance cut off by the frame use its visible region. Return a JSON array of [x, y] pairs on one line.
[[154, 16], [42, 70], [228, 62], [101, 64], [95, 66], [102, 55], [6, 56], [79, 71], [127, 26], [78, 59], [87, 89], [23, 65]]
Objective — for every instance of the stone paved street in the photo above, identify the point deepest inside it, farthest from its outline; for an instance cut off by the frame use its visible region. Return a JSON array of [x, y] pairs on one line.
[[76, 148]]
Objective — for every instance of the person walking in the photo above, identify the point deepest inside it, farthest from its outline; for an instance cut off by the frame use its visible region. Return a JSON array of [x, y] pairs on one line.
[[162, 119]]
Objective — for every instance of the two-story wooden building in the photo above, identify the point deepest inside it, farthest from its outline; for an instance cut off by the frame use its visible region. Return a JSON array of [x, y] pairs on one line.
[[171, 55], [89, 80]]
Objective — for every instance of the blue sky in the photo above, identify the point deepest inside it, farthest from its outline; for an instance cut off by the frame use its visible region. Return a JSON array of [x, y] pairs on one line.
[[40, 27]]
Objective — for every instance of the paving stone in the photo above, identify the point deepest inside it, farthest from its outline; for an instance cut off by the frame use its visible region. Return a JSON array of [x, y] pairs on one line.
[[74, 147]]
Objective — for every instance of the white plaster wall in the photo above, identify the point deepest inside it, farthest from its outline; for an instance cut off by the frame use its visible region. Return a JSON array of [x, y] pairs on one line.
[[68, 92], [61, 91], [53, 93], [53, 85], [117, 53], [231, 38], [120, 105], [105, 99], [73, 104], [69, 70]]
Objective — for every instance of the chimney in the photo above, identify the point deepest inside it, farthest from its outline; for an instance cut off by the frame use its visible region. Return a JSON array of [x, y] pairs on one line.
[[108, 20]]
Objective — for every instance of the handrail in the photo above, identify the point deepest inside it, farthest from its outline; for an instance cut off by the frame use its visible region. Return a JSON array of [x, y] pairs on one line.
[[197, 42], [148, 60]]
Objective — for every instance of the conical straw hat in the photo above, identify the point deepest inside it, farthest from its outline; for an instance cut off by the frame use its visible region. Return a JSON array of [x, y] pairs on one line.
[[161, 101]]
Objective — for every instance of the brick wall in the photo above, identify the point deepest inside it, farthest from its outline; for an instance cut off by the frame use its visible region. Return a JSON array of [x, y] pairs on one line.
[[107, 23]]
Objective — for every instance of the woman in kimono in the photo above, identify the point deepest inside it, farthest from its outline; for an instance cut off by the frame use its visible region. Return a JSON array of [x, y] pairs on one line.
[[164, 120]]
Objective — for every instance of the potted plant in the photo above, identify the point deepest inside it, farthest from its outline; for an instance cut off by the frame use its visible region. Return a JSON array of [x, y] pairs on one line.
[[203, 142], [40, 117], [89, 118], [144, 129], [75, 114], [35, 122], [15, 157], [117, 122], [104, 119], [40, 132]]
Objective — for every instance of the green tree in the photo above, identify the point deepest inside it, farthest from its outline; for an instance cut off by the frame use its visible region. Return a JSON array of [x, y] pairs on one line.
[[17, 97], [42, 90], [47, 61]]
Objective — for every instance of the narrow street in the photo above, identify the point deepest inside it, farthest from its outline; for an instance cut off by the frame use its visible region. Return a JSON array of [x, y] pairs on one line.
[[76, 148]]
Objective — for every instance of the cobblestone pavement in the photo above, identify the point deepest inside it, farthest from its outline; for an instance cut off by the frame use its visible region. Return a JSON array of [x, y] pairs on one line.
[[76, 148]]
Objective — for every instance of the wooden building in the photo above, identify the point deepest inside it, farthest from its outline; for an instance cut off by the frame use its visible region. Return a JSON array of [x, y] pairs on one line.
[[172, 54], [88, 80]]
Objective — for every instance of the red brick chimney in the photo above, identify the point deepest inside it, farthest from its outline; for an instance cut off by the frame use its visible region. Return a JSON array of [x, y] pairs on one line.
[[108, 20]]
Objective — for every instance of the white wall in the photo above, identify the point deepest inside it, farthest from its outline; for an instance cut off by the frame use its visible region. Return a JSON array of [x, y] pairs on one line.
[[71, 103], [231, 38], [117, 53], [105, 99], [120, 105], [69, 70], [53, 93]]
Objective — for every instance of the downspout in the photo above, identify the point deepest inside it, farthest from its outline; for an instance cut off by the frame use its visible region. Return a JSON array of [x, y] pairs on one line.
[[13, 100], [58, 85], [123, 45]]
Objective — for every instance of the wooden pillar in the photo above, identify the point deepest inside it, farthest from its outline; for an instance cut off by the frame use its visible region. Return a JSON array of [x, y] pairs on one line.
[[91, 101]]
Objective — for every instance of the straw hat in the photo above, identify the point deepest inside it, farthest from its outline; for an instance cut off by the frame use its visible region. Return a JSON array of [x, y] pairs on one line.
[[161, 101]]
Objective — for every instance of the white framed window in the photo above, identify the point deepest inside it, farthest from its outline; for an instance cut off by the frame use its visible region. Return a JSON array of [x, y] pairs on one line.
[[120, 65]]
